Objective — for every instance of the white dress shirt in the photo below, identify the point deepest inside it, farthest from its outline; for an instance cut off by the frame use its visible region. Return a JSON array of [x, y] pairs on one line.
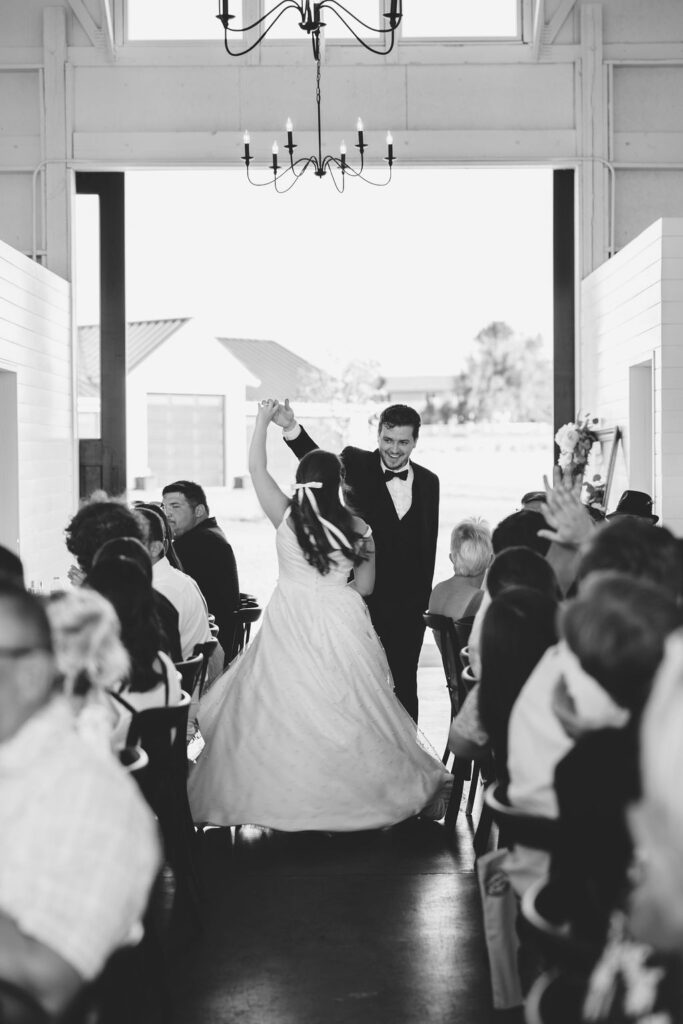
[[79, 847], [184, 594], [401, 491], [537, 742]]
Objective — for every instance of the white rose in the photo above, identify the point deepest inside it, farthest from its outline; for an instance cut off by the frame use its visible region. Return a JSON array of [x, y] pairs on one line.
[[566, 437], [565, 460]]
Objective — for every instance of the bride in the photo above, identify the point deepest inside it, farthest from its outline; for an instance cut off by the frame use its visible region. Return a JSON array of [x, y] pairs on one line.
[[303, 730]]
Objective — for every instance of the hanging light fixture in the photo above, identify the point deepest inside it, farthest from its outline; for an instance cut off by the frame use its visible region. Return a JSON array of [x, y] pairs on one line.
[[311, 23], [321, 165]]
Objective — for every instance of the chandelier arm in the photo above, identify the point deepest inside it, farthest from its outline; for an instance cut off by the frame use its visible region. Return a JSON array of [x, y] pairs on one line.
[[285, 171], [331, 5], [306, 161], [377, 184], [288, 5], [283, 191], [240, 53], [363, 43], [332, 160]]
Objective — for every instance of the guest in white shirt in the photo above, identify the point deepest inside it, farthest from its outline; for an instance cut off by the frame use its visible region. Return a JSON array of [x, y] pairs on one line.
[[179, 588], [537, 740], [79, 848]]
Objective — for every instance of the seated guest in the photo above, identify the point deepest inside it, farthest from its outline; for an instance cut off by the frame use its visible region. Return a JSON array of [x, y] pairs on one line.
[[90, 659], [521, 529], [470, 556], [636, 504], [79, 848], [205, 554], [11, 569], [171, 553], [637, 978], [179, 588], [533, 501], [98, 522], [153, 680], [518, 629], [657, 821], [617, 629], [512, 568], [537, 740]]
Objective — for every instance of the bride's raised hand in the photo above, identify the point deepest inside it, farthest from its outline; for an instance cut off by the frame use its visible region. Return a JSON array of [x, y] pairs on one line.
[[267, 408]]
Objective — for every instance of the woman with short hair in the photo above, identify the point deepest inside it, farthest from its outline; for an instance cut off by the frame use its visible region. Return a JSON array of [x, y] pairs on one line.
[[470, 555]]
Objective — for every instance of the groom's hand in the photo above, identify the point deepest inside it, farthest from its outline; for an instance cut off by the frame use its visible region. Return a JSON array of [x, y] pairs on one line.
[[284, 415]]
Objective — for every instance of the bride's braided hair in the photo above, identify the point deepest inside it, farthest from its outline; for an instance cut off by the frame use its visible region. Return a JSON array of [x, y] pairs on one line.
[[326, 470]]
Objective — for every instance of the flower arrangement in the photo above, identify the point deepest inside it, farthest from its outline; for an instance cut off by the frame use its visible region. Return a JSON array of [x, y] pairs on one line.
[[575, 441]]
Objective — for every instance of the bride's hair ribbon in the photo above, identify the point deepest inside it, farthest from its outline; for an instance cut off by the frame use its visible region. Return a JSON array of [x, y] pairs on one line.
[[330, 529]]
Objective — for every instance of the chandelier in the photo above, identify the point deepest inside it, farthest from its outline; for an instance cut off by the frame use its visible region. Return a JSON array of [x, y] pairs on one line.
[[311, 23], [338, 167]]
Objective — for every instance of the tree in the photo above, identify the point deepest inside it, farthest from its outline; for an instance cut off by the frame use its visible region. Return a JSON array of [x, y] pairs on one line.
[[360, 381], [507, 378]]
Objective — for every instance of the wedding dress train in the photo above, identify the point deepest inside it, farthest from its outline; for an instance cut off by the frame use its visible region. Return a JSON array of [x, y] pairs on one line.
[[303, 730]]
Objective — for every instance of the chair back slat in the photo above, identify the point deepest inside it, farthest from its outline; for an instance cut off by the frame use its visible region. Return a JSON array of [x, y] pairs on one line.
[[517, 826], [447, 641], [18, 1006], [248, 613], [191, 672], [205, 651]]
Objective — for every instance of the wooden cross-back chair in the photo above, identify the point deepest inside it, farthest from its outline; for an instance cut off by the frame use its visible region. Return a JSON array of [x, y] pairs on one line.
[[162, 734], [245, 616], [450, 638]]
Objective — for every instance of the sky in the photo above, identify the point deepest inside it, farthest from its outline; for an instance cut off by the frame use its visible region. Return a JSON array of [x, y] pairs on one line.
[[405, 275]]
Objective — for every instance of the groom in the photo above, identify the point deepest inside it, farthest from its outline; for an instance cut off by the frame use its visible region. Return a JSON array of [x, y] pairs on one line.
[[400, 501]]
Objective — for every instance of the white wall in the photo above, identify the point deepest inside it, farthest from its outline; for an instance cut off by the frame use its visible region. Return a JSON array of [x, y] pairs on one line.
[[35, 344], [632, 312]]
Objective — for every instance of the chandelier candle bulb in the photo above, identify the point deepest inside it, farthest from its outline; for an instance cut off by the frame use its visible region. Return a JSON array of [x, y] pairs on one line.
[[275, 150], [246, 138], [342, 153], [390, 148]]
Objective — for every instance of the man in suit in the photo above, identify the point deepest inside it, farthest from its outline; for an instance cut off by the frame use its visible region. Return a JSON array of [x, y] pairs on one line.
[[400, 501], [205, 553]]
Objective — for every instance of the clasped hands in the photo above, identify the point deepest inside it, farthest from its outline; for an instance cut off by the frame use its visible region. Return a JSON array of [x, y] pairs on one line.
[[280, 413]]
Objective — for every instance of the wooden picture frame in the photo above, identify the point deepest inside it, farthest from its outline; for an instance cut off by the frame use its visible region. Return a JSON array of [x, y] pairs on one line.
[[612, 437]]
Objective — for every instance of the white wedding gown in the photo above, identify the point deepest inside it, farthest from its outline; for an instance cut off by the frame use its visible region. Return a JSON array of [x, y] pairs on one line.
[[303, 730]]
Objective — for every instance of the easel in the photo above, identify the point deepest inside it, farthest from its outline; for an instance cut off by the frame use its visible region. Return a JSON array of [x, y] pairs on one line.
[[606, 435]]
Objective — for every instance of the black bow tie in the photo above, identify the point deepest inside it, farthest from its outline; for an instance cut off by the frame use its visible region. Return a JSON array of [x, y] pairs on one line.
[[389, 474]]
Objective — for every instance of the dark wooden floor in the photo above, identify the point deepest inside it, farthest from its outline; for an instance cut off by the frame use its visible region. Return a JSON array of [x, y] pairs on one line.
[[365, 928]]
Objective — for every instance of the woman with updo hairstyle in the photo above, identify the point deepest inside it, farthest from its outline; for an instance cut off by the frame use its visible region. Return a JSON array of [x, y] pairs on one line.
[[312, 694], [91, 659]]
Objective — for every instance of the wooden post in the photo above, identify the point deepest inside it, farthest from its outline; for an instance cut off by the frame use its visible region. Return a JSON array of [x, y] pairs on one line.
[[109, 187], [564, 292]]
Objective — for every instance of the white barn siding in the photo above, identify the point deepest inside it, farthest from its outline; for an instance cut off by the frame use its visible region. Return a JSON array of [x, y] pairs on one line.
[[632, 312], [35, 346]]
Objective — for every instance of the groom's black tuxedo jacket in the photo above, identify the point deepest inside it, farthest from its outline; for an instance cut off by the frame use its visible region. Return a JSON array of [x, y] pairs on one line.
[[405, 549]]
